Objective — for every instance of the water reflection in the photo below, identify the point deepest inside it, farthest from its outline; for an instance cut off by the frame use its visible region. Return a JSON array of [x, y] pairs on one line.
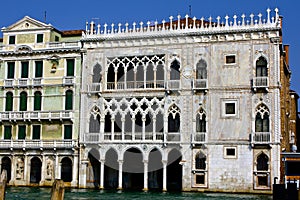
[[27, 193]]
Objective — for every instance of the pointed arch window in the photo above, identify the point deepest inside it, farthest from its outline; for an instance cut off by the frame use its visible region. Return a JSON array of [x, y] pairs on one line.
[[175, 73], [9, 101], [174, 119], [23, 101], [94, 126], [261, 67], [262, 162], [201, 121], [37, 100], [200, 161], [69, 100], [262, 119], [201, 70]]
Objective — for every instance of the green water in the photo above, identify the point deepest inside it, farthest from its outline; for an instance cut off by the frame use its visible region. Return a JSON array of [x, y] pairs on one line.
[[26, 193]]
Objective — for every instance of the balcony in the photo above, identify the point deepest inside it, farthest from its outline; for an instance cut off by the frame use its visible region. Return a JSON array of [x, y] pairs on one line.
[[260, 83], [36, 115], [37, 82], [199, 138], [260, 138], [68, 80], [200, 84], [23, 82], [118, 137], [37, 144], [173, 85], [9, 83], [135, 85], [94, 88]]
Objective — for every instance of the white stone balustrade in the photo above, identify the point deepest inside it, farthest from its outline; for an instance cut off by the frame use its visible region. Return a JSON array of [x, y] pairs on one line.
[[183, 25]]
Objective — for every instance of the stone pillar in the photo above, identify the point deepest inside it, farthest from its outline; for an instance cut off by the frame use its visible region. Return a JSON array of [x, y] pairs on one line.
[[57, 172], [75, 171], [120, 175], [13, 170], [165, 175], [102, 162], [145, 175], [43, 170], [26, 172]]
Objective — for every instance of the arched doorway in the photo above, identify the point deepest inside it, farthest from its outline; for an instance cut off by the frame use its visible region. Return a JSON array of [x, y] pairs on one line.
[[6, 165], [155, 170], [93, 171], [133, 169], [66, 169], [111, 170], [174, 171], [35, 170]]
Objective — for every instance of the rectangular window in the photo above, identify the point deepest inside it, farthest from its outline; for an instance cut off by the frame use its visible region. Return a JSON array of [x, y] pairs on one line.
[[56, 39], [22, 132], [39, 38], [12, 39], [10, 70], [36, 132], [230, 152], [68, 132], [7, 132], [24, 69], [200, 179], [38, 69], [230, 59], [70, 67], [229, 108]]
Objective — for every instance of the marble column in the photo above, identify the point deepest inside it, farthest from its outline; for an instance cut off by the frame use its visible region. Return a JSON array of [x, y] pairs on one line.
[[120, 175], [165, 163], [145, 175], [102, 162]]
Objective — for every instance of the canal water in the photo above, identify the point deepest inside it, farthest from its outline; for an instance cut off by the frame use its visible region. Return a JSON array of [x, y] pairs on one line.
[[29, 193]]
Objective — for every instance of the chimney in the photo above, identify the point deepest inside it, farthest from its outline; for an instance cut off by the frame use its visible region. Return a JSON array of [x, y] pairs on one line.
[[286, 50]]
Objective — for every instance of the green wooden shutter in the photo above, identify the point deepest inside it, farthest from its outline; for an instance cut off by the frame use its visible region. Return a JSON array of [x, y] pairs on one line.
[[24, 73], [70, 67], [10, 70], [37, 101], [39, 38], [23, 101], [68, 132], [69, 100], [38, 69], [22, 132], [36, 132], [9, 102], [12, 39], [7, 132]]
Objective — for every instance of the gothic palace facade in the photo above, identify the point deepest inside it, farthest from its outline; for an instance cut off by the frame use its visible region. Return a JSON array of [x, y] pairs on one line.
[[185, 104]]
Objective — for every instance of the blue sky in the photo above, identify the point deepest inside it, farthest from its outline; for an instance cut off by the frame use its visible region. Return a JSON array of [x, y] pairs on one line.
[[72, 14]]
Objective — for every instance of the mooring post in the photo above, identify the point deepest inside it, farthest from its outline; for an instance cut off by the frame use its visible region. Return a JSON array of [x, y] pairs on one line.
[[3, 180], [58, 190]]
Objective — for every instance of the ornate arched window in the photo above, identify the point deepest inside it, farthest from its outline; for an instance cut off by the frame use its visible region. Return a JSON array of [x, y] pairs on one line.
[[94, 125], [261, 67], [201, 121], [200, 161], [201, 70], [262, 121], [262, 162], [174, 119]]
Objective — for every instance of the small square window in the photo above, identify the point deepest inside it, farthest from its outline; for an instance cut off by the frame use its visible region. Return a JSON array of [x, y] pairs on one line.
[[39, 38], [229, 108], [230, 152], [12, 39], [56, 39], [230, 59]]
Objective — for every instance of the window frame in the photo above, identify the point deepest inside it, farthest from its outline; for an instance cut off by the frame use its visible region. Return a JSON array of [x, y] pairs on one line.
[[39, 38], [36, 65], [35, 98], [19, 134], [6, 127], [10, 70], [226, 155], [70, 65], [67, 106], [68, 127], [12, 39], [11, 106], [33, 132], [24, 67], [236, 108]]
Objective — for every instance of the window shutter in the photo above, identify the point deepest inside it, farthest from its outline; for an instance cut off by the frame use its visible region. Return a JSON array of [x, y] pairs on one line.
[[38, 69], [68, 132], [70, 67], [7, 132], [10, 70], [22, 132], [36, 132], [24, 73]]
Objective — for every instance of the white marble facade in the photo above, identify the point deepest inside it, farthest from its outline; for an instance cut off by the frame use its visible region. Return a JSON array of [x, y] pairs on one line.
[[199, 101]]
